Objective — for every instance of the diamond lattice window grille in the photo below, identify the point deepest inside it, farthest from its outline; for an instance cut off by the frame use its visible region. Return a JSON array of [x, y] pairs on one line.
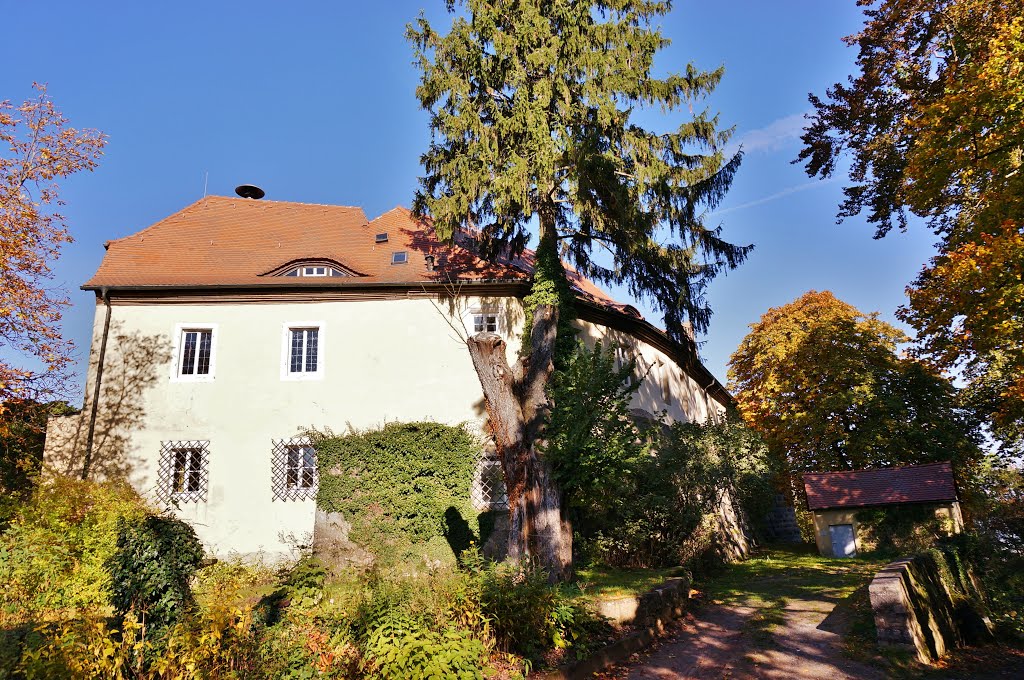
[[294, 472], [488, 490], [183, 474]]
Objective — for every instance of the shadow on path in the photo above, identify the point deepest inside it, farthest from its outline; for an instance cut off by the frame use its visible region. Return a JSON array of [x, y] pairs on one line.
[[764, 620]]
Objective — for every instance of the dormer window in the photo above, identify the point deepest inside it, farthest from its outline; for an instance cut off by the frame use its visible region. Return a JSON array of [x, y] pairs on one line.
[[315, 270], [382, 238], [399, 257]]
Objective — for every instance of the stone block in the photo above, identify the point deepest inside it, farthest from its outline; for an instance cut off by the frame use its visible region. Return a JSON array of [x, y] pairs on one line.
[[332, 546]]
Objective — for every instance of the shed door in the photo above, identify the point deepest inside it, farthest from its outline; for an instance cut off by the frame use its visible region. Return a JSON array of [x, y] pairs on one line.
[[843, 544]]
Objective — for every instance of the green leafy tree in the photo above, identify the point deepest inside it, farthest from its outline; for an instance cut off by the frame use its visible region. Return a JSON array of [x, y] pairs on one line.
[[660, 510], [824, 385], [151, 570], [933, 124], [532, 109], [22, 437], [593, 443]]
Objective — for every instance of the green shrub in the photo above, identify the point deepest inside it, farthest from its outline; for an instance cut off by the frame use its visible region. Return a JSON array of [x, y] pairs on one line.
[[1000, 571], [53, 554], [518, 601], [84, 647], [301, 587], [152, 567], [593, 443], [22, 438], [658, 515], [630, 508], [217, 642], [400, 647], [528, 616], [232, 580], [403, 487]]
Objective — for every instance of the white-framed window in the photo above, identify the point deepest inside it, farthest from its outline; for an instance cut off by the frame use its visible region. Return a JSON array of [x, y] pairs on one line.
[[316, 270], [483, 319], [188, 467], [302, 355], [304, 350], [195, 351], [399, 257], [300, 467], [484, 322]]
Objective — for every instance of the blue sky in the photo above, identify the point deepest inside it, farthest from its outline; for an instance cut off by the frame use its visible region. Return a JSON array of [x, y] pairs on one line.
[[314, 101]]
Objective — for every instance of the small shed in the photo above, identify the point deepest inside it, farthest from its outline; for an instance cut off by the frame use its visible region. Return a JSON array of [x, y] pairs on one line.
[[835, 498]]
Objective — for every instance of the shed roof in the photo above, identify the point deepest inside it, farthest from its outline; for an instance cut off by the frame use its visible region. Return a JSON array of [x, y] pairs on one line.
[[885, 486]]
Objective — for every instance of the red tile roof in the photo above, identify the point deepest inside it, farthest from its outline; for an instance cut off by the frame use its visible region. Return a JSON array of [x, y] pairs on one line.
[[885, 486], [220, 241]]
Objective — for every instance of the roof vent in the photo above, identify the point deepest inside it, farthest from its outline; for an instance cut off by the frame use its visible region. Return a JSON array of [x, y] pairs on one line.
[[250, 191], [382, 238]]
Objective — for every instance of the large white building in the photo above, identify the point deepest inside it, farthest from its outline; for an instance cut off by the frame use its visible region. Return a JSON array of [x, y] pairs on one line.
[[225, 329]]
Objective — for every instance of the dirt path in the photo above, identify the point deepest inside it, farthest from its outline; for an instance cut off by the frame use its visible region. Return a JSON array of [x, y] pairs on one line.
[[717, 643], [775, 618]]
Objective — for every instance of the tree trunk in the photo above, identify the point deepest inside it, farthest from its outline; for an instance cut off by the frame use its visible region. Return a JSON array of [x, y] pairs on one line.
[[517, 406]]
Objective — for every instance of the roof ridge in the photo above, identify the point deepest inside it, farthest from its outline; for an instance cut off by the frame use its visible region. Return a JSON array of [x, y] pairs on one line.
[[408, 211], [156, 224], [879, 469], [270, 200], [207, 199]]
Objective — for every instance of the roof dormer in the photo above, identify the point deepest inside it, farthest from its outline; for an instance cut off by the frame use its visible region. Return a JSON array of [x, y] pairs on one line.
[[312, 269]]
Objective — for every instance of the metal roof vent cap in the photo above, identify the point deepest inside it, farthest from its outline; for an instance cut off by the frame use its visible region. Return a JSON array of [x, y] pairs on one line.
[[250, 191]]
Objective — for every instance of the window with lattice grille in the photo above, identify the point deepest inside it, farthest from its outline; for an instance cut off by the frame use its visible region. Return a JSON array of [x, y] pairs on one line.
[[488, 490], [183, 472], [295, 475]]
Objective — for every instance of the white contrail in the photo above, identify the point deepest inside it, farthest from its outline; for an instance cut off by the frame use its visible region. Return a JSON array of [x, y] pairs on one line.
[[780, 194]]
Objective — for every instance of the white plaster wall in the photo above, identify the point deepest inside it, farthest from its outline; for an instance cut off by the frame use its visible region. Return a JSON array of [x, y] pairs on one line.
[[687, 401], [389, 360]]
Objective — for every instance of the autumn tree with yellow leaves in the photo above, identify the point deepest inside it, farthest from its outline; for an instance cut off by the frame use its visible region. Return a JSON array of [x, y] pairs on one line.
[[37, 147], [932, 123], [826, 387]]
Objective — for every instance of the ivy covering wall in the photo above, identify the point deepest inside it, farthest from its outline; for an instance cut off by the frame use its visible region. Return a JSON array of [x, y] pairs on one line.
[[404, 488]]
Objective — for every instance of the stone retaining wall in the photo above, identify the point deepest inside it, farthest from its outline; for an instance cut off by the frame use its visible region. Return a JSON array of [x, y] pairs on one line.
[[780, 523], [649, 614], [929, 605]]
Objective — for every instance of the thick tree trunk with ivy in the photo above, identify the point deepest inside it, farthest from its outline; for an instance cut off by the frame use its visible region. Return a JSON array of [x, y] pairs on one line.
[[517, 408]]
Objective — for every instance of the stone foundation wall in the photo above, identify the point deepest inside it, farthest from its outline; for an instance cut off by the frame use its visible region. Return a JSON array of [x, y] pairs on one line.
[[780, 524], [928, 604]]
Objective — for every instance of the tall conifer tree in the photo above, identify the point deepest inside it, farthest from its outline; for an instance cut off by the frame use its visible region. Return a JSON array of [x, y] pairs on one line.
[[532, 107]]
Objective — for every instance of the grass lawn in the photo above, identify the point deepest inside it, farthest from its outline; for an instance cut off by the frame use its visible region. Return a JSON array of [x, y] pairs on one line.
[[785, 572], [781, 574], [594, 583]]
